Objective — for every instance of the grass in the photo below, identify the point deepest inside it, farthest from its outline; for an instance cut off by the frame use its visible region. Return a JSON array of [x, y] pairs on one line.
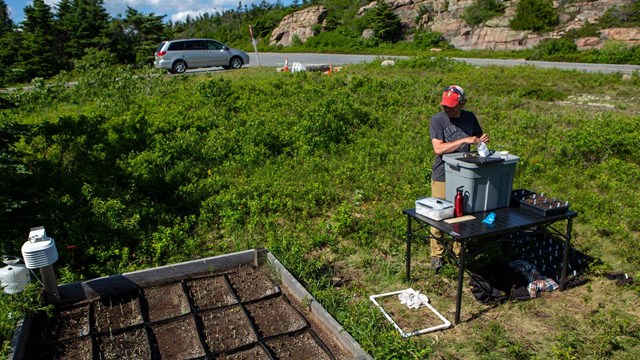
[[319, 168]]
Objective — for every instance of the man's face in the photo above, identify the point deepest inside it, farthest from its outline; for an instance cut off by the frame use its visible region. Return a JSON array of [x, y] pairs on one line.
[[453, 112]]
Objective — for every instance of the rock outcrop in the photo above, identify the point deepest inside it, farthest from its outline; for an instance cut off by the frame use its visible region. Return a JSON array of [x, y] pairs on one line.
[[444, 16], [299, 24]]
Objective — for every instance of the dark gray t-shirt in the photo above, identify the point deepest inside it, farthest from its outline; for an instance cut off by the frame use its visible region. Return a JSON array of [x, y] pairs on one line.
[[448, 130]]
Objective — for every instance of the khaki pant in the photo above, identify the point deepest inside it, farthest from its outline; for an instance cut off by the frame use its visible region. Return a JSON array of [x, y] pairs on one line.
[[438, 189]]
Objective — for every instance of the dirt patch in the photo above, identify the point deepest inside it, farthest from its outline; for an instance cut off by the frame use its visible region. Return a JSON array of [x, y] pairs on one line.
[[166, 301], [74, 349], [210, 292], [251, 285], [132, 344], [178, 339], [298, 346], [227, 329], [116, 312], [275, 317], [65, 324], [255, 353]]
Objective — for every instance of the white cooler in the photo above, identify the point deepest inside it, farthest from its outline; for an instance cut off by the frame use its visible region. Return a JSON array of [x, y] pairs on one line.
[[434, 208]]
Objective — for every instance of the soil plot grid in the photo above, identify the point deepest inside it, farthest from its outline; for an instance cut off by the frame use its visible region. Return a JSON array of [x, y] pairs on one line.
[[238, 314]]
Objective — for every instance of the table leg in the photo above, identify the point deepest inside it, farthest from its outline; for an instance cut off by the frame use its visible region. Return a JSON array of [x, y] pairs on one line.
[[565, 257], [408, 257], [460, 280]]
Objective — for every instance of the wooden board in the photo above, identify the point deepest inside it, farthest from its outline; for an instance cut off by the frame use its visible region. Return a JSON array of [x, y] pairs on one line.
[[459, 219]]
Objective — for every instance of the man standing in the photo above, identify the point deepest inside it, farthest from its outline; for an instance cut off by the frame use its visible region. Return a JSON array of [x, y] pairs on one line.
[[452, 130]]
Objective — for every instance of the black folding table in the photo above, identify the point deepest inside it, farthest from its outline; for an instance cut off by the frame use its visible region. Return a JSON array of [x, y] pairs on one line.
[[508, 220]]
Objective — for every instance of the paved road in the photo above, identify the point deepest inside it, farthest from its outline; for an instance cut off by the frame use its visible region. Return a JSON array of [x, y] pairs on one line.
[[277, 60]]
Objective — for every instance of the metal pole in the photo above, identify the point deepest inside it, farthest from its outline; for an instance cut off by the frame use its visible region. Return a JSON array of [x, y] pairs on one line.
[[409, 235], [255, 45], [460, 281], [50, 284], [565, 257]]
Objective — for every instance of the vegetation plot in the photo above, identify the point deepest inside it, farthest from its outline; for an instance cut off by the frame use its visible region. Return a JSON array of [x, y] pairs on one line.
[[133, 170]]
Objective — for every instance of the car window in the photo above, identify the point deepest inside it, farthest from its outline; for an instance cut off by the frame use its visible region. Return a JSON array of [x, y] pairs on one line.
[[176, 46], [160, 46], [194, 45], [214, 45]]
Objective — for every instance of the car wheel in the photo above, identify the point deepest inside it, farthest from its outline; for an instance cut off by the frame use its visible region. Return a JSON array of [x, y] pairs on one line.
[[179, 67], [235, 63]]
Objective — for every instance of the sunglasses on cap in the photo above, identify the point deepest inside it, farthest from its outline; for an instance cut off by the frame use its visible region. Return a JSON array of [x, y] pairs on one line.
[[458, 90]]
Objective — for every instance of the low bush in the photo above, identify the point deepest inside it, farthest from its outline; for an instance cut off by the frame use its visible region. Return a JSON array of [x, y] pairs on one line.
[[481, 11], [535, 15], [551, 48]]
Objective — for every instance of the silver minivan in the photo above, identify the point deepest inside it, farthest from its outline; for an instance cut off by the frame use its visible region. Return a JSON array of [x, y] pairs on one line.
[[179, 55]]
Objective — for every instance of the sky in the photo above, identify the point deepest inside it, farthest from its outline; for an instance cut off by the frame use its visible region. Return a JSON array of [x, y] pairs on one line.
[[175, 10]]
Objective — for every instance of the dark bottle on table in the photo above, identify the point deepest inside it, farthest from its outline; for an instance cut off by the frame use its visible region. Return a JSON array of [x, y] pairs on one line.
[[458, 203]]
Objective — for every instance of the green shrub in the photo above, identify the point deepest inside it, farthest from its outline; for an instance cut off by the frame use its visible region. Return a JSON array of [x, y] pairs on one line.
[[423, 10], [95, 59], [14, 307], [336, 41], [384, 22], [541, 93], [482, 10], [429, 39], [587, 30], [616, 52], [627, 15], [553, 47], [536, 15]]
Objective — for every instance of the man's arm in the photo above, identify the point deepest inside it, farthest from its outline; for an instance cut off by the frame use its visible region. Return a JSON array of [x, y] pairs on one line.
[[441, 147]]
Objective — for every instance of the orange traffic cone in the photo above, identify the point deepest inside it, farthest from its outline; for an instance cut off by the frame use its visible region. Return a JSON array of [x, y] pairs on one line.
[[286, 65]]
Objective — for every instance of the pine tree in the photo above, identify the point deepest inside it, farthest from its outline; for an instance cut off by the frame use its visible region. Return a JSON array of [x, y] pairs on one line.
[[7, 43], [136, 36], [37, 54], [6, 24], [88, 26], [64, 29], [385, 23]]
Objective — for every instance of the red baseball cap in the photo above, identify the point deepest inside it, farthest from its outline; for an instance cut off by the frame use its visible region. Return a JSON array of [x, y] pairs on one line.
[[452, 96]]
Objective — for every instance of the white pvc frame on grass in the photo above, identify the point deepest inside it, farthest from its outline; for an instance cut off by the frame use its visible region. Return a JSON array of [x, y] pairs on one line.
[[446, 323]]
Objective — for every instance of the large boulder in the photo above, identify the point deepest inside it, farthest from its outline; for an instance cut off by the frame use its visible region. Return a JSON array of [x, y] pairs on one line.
[[299, 24], [499, 38]]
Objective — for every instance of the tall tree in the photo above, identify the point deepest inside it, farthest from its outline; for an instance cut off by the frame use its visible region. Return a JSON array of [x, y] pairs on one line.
[[6, 24], [135, 37], [88, 23], [65, 27], [7, 42], [385, 23], [37, 54]]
